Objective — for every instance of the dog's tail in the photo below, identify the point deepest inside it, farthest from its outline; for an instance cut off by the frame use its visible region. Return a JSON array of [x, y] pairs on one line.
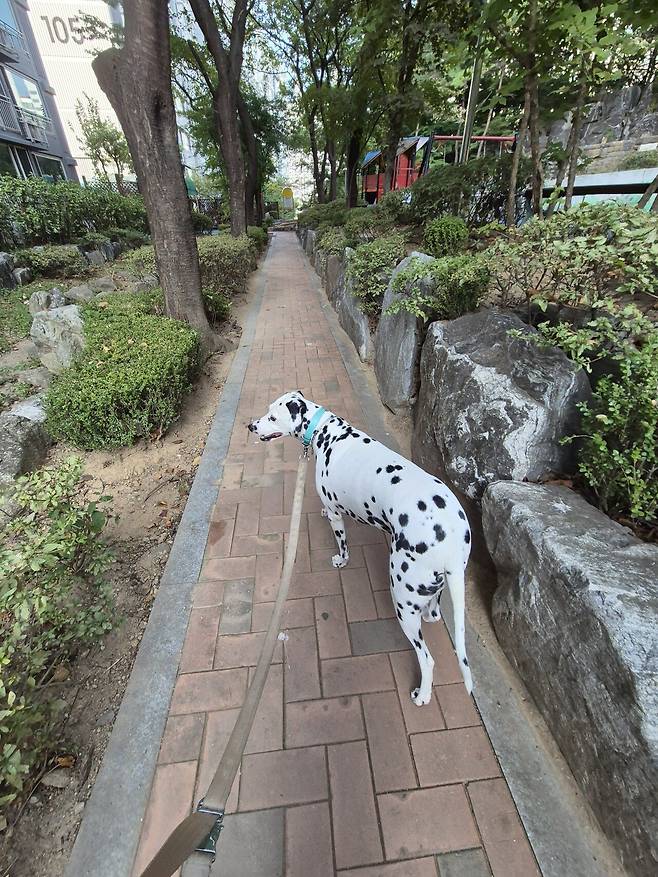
[[457, 588]]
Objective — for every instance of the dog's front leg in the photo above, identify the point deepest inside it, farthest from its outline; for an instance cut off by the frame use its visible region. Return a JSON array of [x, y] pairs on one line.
[[341, 559]]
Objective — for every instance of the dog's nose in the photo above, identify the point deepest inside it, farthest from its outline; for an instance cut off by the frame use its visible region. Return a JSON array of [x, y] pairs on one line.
[[251, 427]]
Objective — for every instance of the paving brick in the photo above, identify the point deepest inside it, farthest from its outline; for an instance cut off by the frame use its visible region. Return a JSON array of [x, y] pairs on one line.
[[385, 608], [245, 546], [170, 802], [407, 677], [412, 868], [467, 863], [208, 594], [272, 500], [426, 821], [242, 651], [389, 746], [359, 602], [236, 611], [251, 846], [331, 624], [446, 667], [377, 561], [268, 575], [315, 584], [363, 534], [247, 519], [495, 811], [182, 737], [333, 720], [457, 706], [199, 646], [296, 613], [459, 755], [301, 670], [356, 675], [308, 840], [320, 533], [211, 690], [232, 475], [512, 858], [383, 635], [293, 776], [269, 480], [228, 569], [356, 833]]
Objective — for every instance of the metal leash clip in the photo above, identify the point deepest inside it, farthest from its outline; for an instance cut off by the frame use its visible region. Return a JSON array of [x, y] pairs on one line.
[[209, 845]]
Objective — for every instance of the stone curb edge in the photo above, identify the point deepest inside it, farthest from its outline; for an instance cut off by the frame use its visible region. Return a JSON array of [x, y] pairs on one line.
[[109, 833]]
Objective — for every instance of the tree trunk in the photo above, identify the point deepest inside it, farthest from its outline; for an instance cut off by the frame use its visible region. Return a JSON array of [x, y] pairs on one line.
[[333, 179], [510, 209], [574, 137], [231, 148], [353, 155], [651, 189], [251, 148], [148, 120], [537, 175]]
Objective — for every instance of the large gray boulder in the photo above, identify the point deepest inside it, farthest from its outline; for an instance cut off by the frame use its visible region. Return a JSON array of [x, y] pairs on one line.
[[79, 294], [43, 299], [24, 441], [22, 276], [7, 278], [334, 276], [106, 284], [352, 318], [494, 406], [320, 263], [576, 612], [398, 343], [309, 243], [58, 335]]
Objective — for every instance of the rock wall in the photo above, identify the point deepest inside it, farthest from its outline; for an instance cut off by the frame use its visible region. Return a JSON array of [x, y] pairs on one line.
[[576, 612], [24, 441]]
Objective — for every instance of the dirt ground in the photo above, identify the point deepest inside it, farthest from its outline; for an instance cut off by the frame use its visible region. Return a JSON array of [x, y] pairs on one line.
[[149, 484]]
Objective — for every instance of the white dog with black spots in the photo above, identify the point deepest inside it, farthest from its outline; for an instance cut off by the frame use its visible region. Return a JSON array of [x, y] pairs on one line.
[[430, 538]]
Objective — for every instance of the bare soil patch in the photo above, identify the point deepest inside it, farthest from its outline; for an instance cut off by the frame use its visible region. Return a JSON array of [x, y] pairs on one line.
[[149, 484]]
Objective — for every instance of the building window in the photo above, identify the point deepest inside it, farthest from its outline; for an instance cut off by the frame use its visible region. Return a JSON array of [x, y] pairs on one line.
[[25, 161], [7, 14], [51, 168], [26, 93], [6, 163]]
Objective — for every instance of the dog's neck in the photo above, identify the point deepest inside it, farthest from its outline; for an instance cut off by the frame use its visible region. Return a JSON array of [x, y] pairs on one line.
[[308, 415]]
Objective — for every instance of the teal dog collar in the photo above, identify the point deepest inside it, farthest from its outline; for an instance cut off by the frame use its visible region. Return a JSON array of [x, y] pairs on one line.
[[310, 429]]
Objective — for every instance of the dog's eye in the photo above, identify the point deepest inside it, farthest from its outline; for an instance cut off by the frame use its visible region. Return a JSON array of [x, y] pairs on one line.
[[272, 418]]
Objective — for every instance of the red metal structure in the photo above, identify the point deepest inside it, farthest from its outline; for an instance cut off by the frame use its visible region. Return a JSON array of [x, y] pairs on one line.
[[413, 160]]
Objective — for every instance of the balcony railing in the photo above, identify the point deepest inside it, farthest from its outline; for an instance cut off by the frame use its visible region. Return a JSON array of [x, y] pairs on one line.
[[11, 40], [31, 126], [8, 118]]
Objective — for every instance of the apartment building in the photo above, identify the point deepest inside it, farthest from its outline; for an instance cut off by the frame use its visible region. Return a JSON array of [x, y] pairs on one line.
[[32, 140]]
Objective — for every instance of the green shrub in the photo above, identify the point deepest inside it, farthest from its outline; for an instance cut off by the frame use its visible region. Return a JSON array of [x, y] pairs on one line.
[[332, 241], [476, 191], [217, 305], [131, 237], [15, 319], [142, 259], [34, 211], [53, 261], [638, 160], [53, 600], [129, 381], [130, 304], [258, 235], [201, 222], [92, 239], [445, 236], [364, 224], [370, 267], [397, 204], [442, 289], [226, 262], [333, 213]]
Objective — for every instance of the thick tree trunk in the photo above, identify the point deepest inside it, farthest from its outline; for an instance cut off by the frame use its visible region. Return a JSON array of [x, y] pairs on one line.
[[353, 155], [333, 178], [510, 209], [231, 148], [148, 120], [251, 148]]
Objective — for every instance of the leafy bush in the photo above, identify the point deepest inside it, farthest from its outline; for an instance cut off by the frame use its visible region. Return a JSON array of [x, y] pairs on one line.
[[53, 600], [34, 211], [141, 259], [15, 319], [445, 236], [216, 304], [638, 160], [129, 236], [129, 304], [53, 261], [476, 191], [333, 213], [364, 224], [92, 239], [258, 235], [129, 381], [397, 204], [332, 241], [369, 269], [442, 289], [201, 222], [577, 257]]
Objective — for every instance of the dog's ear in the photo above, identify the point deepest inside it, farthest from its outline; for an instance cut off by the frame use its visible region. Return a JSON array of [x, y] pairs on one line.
[[299, 393]]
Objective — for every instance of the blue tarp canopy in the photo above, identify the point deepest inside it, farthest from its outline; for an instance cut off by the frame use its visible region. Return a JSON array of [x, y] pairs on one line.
[[370, 156]]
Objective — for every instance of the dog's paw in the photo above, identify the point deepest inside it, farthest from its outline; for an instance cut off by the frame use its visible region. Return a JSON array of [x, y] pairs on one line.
[[338, 561], [324, 512], [417, 699], [431, 616]]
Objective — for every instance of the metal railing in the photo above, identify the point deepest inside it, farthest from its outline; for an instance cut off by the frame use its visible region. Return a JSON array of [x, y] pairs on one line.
[[11, 39], [8, 118], [35, 126]]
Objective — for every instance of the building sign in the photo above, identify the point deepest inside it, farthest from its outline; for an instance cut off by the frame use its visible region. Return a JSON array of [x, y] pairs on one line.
[[288, 200]]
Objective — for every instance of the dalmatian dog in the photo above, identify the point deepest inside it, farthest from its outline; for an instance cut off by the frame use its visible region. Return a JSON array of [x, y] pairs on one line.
[[429, 535]]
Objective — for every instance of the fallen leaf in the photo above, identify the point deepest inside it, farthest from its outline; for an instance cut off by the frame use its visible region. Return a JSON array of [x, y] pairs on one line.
[[65, 761], [196, 461]]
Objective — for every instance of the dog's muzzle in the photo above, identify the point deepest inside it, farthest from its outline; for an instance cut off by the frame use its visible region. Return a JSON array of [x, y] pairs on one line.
[[264, 438]]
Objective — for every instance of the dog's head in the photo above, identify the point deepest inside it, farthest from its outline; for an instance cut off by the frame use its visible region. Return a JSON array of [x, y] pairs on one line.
[[285, 416]]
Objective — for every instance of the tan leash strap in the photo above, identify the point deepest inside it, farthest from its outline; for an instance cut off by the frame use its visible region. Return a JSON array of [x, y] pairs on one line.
[[195, 829]]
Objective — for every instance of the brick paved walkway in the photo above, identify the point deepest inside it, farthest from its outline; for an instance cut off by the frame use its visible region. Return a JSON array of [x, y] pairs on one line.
[[342, 773]]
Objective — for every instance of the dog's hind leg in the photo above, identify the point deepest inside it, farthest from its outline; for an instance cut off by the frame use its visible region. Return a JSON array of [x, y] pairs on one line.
[[410, 624], [338, 526], [457, 588]]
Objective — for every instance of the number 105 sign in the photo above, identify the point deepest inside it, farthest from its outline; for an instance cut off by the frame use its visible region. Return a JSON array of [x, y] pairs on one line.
[[59, 26]]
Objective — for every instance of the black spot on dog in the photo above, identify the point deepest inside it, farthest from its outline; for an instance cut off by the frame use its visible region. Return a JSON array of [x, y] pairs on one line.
[[461, 515], [379, 470], [404, 520], [420, 635], [399, 614], [405, 566], [421, 505], [416, 644], [467, 537], [439, 501], [408, 602], [395, 479], [367, 441], [409, 588], [398, 577], [372, 498], [465, 662], [390, 469], [427, 590], [421, 548], [416, 607], [439, 532]]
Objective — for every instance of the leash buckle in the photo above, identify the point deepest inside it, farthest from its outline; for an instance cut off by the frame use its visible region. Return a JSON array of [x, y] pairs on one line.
[[306, 450], [209, 845]]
